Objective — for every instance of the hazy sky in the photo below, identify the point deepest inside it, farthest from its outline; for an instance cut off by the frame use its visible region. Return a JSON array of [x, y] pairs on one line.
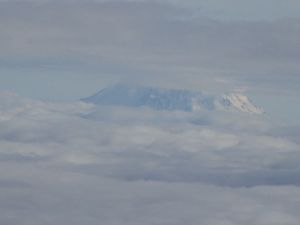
[[65, 50], [66, 162]]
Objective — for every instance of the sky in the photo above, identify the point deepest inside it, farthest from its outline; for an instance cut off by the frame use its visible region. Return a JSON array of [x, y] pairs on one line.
[[66, 50], [64, 161]]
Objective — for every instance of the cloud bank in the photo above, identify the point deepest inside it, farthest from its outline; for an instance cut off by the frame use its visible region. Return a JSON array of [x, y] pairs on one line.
[[75, 163], [150, 40]]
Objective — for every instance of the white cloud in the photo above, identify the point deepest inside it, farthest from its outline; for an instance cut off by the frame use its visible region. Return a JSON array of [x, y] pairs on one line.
[[75, 163]]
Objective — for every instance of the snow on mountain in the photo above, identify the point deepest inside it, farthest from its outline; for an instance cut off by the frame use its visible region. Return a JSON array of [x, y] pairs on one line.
[[171, 99], [241, 103]]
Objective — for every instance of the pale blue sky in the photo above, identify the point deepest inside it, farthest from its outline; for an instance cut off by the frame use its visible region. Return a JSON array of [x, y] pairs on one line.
[[254, 10], [65, 50]]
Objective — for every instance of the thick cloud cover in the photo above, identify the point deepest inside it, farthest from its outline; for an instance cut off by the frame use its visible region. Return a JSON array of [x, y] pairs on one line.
[[75, 163], [135, 39]]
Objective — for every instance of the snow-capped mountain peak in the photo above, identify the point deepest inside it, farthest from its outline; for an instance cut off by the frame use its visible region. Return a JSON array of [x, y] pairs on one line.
[[240, 102], [171, 99]]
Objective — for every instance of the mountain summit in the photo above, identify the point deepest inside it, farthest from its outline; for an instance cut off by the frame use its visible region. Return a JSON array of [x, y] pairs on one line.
[[171, 99]]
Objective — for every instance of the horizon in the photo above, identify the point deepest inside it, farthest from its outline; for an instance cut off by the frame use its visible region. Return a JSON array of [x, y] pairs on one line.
[[275, 108]]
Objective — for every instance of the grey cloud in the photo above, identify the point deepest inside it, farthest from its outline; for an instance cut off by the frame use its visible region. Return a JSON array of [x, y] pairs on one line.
[[121, 165], [143, 144], [75, 163], [152, 38], [81, 199]]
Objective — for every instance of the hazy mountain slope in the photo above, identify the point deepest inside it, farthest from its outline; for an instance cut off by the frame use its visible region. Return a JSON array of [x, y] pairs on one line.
[[171, 99]]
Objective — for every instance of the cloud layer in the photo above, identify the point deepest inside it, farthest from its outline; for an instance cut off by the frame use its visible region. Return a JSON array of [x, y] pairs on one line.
[[161, 40], [74, 163]]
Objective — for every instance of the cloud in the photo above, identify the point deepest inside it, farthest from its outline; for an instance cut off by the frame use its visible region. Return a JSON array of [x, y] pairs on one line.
[[76, 163], [151, 41]]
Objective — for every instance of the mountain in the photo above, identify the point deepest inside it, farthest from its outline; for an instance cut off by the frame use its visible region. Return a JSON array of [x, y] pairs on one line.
[[171, 99]]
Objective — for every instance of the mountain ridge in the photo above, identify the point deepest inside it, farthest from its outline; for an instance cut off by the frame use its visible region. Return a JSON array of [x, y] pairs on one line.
[[172, 99]]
